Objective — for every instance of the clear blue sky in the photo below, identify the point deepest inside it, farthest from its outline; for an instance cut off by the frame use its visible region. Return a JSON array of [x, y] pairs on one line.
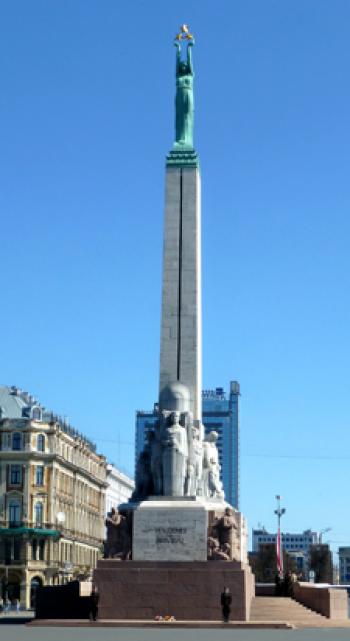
[[86, 118]]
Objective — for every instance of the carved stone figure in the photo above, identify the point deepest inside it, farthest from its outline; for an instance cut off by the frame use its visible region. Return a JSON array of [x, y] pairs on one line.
[[226, 528], [217, 552], [194, 462], [175, 455], [118, 543], [212, 486], [225, 525]]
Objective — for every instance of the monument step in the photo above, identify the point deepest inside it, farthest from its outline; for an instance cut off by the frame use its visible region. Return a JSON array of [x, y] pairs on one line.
[[286, 609]]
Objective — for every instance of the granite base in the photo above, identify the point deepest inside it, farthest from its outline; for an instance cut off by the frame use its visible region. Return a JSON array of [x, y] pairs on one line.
[[186, 590]]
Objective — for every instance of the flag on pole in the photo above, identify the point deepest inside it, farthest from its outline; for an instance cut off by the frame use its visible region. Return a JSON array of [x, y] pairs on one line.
[[279, 554]]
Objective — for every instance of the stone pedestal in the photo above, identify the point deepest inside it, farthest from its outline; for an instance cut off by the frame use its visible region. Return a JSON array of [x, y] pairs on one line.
[[170, 529], [189, 591], [177, 528]]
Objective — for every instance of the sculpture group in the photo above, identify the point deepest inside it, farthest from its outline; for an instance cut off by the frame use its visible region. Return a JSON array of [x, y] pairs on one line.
[[176, 460]]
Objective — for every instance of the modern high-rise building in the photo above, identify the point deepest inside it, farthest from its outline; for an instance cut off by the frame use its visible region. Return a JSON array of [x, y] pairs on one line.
[[220, 412]]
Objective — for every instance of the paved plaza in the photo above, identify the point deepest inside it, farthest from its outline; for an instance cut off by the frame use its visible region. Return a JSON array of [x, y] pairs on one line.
[[26, 633]]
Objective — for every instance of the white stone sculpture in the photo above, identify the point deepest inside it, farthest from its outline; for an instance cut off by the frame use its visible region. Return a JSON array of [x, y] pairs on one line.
[[212, 486], [194, 462], [175, 455]]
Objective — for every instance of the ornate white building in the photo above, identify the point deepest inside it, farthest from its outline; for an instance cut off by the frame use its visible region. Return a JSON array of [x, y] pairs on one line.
[[119, 489], [52, 499]]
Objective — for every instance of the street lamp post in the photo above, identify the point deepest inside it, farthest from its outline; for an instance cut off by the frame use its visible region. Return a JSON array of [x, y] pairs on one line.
[[60, 520], [279, 551]]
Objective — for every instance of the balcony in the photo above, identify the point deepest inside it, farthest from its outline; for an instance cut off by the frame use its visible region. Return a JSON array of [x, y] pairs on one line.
[[17, 528], [7, 561]]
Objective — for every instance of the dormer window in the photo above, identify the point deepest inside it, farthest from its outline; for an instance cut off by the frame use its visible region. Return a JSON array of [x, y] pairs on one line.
[[40, 443], [16, 441], [36, 414]]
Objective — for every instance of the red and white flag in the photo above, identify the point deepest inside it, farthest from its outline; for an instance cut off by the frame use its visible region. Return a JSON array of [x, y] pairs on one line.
[[279, 554]]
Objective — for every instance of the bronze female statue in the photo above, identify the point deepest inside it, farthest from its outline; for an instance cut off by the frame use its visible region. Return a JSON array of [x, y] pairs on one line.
[[184, 104]]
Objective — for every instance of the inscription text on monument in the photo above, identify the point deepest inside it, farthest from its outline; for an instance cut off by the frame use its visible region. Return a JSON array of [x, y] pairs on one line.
[[170, 533]]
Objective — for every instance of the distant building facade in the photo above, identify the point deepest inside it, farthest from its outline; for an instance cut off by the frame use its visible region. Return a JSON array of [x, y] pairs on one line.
[[321, 563], [220, 412], [298, 546], [344, 565], [52, 499], [119, 487], [291, 542]]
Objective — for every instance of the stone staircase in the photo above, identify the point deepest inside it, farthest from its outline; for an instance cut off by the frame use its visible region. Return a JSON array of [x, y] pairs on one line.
[[286, 609]]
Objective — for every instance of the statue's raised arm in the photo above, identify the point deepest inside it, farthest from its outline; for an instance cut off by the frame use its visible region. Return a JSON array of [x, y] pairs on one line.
[[178, 57], [189, 55]]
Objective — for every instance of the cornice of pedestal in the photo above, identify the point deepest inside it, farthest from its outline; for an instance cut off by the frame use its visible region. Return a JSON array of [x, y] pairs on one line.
[[182, 157]]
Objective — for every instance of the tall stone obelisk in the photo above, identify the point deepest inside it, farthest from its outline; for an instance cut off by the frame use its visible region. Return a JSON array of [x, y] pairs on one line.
[[181, 541], [181, 330]]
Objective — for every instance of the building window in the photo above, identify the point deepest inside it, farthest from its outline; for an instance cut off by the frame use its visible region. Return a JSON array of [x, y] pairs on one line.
[[16, 441], [16, 475], [41, 550], [16, 549], [14, 513], [34, 549], [40, 443], [39, 475], [38, 514], [36, 414]]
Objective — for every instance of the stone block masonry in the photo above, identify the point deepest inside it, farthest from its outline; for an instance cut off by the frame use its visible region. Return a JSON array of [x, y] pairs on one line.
[[181, 331], [189, 591]]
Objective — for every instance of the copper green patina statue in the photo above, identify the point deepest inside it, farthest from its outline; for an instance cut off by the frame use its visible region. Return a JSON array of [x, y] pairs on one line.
[[183, 153], [184, 106]]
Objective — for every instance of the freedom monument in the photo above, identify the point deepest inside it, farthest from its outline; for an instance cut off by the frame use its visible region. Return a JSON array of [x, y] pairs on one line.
[[177, 543]]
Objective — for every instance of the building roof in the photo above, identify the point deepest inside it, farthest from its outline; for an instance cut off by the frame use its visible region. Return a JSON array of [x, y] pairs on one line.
[[113, 471], [16, 404], [12, 402]]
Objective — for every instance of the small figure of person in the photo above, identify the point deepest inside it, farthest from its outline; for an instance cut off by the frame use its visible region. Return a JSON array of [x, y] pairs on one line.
[[278, 585], [94, 599], [226, 600], [288, 584], [1, 604]]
